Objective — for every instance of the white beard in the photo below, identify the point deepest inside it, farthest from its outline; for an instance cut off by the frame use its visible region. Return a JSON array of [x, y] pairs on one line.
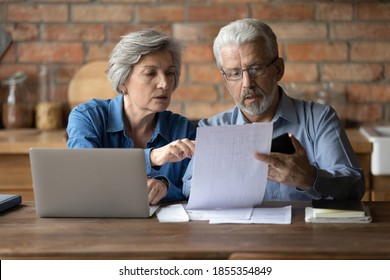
[[258, 107]]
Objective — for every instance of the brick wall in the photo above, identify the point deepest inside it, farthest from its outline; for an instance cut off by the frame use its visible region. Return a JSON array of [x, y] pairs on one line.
[[346, 43]]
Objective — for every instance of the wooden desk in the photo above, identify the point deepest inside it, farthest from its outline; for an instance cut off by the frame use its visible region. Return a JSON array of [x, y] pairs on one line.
[[24, 236], [15, 174]]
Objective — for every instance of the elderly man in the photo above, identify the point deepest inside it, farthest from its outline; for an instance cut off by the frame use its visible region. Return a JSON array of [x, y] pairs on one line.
[[323, 165]]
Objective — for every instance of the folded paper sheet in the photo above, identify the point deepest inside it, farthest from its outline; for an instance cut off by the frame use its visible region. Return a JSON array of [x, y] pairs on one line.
[[226, 174], [279, 215], [174, 213], [217, 214], [178, 213]]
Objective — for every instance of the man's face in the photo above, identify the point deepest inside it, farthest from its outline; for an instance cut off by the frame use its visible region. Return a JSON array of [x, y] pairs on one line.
[[257, 97]]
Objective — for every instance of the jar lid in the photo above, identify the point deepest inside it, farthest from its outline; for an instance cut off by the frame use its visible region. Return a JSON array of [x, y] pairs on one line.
[[15, 78]]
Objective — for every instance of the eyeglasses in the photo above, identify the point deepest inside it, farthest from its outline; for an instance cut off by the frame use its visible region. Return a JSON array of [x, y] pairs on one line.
[[253, 71]]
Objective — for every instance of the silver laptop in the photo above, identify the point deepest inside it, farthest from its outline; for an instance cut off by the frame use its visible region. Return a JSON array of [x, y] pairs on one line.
[[90, 183]]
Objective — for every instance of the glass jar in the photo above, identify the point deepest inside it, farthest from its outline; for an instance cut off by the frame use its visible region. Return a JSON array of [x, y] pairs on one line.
[[335, 98], [292, 90], [48, 111], [18, 106]]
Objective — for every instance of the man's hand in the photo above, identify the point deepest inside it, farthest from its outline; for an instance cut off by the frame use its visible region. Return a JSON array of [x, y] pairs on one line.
[[290, 169], [157, 189], [173, 152]]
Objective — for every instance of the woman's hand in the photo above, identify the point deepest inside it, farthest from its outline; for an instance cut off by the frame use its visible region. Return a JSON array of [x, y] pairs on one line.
[[157, 189], [173, 152]]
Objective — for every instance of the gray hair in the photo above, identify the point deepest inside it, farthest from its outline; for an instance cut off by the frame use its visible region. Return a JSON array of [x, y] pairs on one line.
[[247, 30], [136, 44]]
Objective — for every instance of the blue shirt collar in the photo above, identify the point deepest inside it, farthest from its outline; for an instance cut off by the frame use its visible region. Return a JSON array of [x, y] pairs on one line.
[[161, 127], [115, 115], [286, 109], [116, 122], [241, 119]]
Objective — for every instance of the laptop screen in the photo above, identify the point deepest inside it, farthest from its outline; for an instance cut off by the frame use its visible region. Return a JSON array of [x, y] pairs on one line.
[[89, 182]]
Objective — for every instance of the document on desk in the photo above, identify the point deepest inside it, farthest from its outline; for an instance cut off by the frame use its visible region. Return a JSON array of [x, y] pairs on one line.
[[279, 215], [178, 213], [220, 214], [226, 174]]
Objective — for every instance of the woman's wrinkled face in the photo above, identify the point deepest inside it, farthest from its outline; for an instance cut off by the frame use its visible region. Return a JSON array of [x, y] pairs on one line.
[[151, 83]]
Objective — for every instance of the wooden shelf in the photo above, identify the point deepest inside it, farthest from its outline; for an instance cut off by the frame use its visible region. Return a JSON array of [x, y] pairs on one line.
[[15, 172]]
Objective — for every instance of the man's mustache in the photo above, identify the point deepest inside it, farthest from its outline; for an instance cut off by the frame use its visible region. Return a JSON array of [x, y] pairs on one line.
[[251, 92]]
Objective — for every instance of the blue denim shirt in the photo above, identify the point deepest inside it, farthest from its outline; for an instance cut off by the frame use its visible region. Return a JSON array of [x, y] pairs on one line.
[[100, 124], [319, 131]]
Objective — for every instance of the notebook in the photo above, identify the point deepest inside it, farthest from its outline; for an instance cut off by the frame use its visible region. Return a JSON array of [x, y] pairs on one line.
[[8, 201], [338, 208], [90, 183], [337, 211]]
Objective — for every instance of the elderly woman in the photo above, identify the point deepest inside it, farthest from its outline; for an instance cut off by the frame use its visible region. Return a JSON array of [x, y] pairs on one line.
[[144, 68]]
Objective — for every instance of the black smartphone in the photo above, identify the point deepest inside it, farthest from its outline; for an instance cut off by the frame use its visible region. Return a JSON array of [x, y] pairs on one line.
[[282, 144]]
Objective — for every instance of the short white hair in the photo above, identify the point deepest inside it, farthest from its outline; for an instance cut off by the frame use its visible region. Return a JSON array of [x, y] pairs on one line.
[[136, 44], [242, 31]]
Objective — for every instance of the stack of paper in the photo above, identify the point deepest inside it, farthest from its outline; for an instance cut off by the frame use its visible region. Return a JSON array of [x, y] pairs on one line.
[[178, 213], [172, 214], [342, 211], [338, 209]]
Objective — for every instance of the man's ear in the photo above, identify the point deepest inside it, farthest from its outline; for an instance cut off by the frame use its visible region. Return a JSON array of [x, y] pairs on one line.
[[279, 65]]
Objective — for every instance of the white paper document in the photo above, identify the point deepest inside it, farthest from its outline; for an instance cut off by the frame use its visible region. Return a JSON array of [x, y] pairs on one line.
[[174, 213], [225, 172], [279, 215], [236, 214]]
